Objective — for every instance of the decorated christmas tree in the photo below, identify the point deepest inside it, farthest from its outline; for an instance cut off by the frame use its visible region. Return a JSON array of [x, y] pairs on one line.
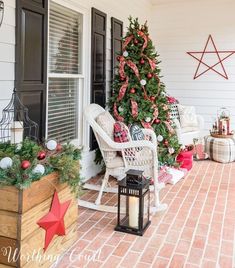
[[139, 97]]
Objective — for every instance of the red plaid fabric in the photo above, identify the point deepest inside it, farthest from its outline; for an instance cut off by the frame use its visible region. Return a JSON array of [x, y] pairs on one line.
[[120, 132]]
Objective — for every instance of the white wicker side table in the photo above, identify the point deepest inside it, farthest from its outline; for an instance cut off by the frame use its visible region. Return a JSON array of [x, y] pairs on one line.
[[220, 149]]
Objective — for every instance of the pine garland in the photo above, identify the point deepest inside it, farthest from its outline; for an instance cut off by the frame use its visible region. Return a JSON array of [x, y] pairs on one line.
[[65, 161]]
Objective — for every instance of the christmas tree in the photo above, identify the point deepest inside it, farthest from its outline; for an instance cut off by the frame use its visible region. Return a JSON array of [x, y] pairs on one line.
[[139, 96]]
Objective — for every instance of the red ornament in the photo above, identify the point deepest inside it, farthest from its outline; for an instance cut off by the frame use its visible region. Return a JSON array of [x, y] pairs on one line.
[[157, 121], [132, 91], [136, 41], [53, 221], [118, 58], [142, 61], [59, 147], [41, 155], [152, 98], [166, 142], [25, 164], [149, 75]]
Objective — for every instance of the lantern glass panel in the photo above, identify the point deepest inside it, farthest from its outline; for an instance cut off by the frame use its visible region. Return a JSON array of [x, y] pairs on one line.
[[146, 206], [124, 214], [223, 113], [130, 211]]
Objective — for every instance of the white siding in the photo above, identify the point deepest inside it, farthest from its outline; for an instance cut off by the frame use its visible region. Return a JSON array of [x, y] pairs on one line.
[[7, 54], [182, 26]]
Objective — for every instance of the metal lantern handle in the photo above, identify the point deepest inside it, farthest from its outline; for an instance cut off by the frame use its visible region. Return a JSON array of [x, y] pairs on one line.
[[1, 12]]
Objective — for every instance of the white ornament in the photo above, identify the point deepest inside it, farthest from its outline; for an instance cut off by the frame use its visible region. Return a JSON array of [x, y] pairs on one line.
[[171, 150], [159, 138], [143, 82], [120, 109], [18, 147], [39, 169], [125, 53], [147, 119], [51, 145], [6, 162]]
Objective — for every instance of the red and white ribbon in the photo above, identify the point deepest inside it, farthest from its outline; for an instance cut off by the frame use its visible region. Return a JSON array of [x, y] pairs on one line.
[[134, 108], [116, 114], [141, 34], [127, 41], [122, 90]]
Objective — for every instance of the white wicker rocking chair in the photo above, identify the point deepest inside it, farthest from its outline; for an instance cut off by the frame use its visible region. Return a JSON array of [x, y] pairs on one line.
[[140, 155]]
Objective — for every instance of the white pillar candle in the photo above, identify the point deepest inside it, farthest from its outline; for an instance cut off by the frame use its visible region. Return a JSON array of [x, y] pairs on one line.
[[133, 211], [17, 132]]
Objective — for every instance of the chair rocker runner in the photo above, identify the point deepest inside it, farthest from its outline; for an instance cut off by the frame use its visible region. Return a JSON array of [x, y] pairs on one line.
[[141, 155]]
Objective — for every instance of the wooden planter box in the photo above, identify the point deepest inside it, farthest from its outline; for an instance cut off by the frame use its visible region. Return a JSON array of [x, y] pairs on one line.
[[19, 233]]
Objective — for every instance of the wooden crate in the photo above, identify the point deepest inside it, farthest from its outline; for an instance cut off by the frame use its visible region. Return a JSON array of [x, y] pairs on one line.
[[19, 233]]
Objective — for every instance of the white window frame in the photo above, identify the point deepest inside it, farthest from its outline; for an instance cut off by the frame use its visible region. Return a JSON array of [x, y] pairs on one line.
[[83, 79]]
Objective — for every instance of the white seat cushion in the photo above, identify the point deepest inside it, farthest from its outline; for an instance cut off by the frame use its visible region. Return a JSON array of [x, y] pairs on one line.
[[189, 129], [116, 162]]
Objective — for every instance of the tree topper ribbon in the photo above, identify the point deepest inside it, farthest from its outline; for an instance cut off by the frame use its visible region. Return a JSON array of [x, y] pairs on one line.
[[141, 34]]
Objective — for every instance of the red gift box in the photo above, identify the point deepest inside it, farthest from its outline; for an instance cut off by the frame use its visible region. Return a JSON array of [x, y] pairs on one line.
[[185, 158]]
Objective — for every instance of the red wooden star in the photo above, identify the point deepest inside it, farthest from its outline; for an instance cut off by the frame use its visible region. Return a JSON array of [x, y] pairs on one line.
[[220, 55], [53, 221]]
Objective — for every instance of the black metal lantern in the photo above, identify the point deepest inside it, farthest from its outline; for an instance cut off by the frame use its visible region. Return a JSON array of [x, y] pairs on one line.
[[133, 203], [15, 124], [1, 11]]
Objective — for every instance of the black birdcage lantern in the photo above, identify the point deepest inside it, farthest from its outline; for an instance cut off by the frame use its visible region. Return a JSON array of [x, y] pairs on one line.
[[15, 124], [133, 203]]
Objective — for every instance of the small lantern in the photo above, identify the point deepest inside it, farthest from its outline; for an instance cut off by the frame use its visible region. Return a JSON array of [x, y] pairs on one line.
[[15, 124], [133, 203], [224, 121]]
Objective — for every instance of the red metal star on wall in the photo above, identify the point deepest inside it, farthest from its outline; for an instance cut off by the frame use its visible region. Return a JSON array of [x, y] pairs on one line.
[[221, 55], [53, 221]]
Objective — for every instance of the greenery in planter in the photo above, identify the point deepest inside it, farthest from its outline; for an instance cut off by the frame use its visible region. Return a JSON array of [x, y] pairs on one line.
[[22, 164]]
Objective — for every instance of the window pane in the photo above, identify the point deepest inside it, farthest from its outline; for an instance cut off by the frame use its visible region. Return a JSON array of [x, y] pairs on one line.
[[62, 109], [65, 40]]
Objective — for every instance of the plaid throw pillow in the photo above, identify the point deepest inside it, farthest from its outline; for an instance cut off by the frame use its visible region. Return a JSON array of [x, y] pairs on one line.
[[120, 132]]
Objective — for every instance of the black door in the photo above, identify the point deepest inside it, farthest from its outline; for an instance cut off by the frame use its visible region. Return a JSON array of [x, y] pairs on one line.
[[116, 42], [31, 58], [98, 62]]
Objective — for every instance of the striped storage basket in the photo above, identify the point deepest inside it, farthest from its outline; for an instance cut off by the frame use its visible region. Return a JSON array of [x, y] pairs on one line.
[[220, 150]]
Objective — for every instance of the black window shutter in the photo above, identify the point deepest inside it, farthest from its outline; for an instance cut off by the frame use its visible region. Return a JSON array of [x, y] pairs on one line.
[[116, 42], [31, 58], [98, 62]]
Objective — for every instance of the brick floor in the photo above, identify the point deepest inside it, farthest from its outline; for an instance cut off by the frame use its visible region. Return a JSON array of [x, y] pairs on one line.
[[196, 231]]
